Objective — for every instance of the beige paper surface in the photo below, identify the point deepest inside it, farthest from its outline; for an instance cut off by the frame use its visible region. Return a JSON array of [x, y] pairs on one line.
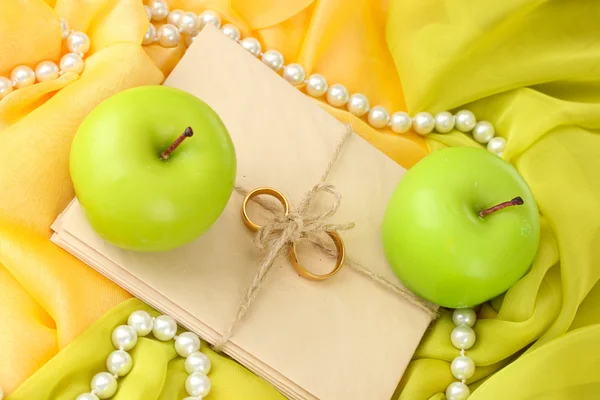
[[346, 338]]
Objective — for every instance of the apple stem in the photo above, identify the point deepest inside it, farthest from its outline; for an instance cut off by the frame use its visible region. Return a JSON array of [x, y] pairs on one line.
[[517, 201], [186, 134]]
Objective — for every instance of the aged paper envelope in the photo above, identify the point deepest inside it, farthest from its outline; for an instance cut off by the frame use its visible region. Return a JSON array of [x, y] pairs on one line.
[[344, 338]]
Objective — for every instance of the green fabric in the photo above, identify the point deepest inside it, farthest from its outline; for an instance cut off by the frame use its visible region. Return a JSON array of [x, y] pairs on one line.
[[531, 68]]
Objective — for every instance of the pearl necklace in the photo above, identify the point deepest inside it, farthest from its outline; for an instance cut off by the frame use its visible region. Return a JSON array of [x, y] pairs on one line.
[[462, 367], [188, 24], [22, 76], [164, 328]]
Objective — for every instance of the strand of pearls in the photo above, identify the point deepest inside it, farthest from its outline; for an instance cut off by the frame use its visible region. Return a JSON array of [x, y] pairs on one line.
[[22, 76], [462, 367], [187, 25], [164, 328]]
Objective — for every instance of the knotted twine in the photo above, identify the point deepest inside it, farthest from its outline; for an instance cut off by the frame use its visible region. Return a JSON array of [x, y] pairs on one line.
[[300, 225]]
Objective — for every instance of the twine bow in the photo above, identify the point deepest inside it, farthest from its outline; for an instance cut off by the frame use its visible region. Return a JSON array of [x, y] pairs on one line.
[[277, 236], [300, 225]]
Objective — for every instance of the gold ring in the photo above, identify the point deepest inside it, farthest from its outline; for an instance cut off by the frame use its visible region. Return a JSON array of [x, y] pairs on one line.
[[341, 257], [262, 191]]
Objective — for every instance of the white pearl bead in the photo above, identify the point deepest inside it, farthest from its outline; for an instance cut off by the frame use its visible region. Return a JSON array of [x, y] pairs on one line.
[[189, 24], [148, 12], [400, 122], [444, 122], [159, 8], [124, 337], [462, 367], [22, 76], [150, 35], [5, 86], [119, 363], [273, 59], [210, 17], [316, 85], [64, 29], [232, 31], [78, 42], [164, 328], [197, 384], [483, 132], [197, 362], [252, 45], [378, 117], [104, 385], [358, 104], [141, 321], [294, 74], [465, 121], [423, 123], [187, 343], [174, 17], [497, 145], [168, 35], [464, 316], [46, 71], [71, 62], [457, 391], [463, 337], [86, 396], [337, 95]]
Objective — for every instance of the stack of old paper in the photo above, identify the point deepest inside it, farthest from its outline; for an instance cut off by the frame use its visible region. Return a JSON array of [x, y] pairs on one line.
[[346, 338]]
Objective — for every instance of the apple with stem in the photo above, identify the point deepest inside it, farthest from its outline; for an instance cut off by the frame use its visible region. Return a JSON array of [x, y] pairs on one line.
[[153, 168], [461, 227]]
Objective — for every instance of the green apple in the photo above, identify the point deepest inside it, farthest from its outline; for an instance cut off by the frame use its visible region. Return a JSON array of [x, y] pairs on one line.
[[461, 227], [140, 184]]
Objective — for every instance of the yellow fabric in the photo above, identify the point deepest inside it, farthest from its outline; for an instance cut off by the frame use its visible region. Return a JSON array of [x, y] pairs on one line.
[[48, 298], [531, 68], [528, 66]]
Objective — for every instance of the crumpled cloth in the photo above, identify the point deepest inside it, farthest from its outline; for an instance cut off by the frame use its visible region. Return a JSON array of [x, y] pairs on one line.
[[528, 66]]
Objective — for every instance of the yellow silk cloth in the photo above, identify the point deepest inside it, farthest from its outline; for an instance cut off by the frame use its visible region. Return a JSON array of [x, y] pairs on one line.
[[528, 66], [47, 297]]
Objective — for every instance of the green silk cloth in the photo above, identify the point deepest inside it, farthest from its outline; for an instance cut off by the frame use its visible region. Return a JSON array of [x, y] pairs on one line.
[[531, 68]]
